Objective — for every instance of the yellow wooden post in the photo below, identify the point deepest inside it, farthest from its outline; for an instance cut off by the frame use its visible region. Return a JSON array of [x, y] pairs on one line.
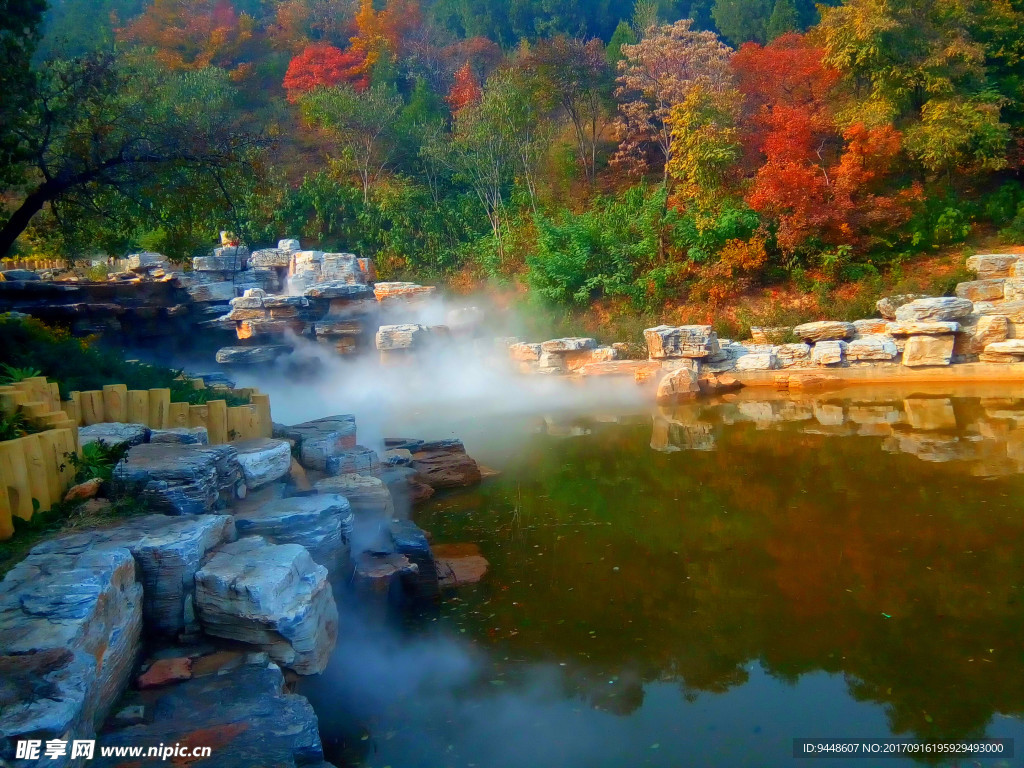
[[14, 475], [198, 384], [34, 411], [178, 415], [138, 406], [54, 396], [72, 410], [262, 404], [53, 457], [37, 472], [199, 416], [10, 402], [217, 421], [159, 405], [76, 398], [40, 388], [92, 407], [115, 402]]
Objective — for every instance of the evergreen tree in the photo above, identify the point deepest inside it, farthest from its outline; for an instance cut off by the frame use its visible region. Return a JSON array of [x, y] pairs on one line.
[[623, 35], [784, 19]]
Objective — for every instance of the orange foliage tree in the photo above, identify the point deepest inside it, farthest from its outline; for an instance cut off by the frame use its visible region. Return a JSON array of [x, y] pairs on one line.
[[195, 34], [324, 66], [386, 31], [465, 90], [821, 182]]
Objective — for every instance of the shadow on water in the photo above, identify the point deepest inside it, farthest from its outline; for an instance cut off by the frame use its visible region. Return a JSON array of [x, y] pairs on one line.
[[700, 585]]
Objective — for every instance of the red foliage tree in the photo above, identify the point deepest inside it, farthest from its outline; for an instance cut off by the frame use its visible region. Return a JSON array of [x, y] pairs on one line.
[[819, 180], [323, 66], [465, 90]]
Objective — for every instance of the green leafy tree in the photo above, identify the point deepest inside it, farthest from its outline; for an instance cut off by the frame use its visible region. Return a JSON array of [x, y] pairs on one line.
[[623, 35], [102, 134], [742, 21], [20, 22], [363, 123], [785, 18]]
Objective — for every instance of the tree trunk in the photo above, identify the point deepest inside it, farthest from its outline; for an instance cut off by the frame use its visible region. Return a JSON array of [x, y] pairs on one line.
[[19, 220]]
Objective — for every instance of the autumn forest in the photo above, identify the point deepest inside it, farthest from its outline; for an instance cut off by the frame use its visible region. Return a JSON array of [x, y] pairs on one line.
[[582, 151]]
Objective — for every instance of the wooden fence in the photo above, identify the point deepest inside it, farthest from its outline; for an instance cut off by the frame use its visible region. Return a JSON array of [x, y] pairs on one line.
[[33, 264], [34, 470]]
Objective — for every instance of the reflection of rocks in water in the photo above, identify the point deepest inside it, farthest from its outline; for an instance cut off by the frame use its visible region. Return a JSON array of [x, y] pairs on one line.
[[681, 429], [556, 428], [936, 448], [930, 413]]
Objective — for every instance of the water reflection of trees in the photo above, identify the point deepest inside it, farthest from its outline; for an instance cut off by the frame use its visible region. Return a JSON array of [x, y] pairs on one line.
[[782, 544]]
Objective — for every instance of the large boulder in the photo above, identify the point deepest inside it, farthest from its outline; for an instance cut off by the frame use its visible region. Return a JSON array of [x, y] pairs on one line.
[[981, 290], [757, 361], [244, 713], [212, 292], [322, 524], [317, 441], [568, 344], [410, 540], [678, 385], [923, 351], [793, 355], [1009, 351], [272, 596], [445, 464], [825, 330], [687, 341], [942, 309], [264, 460], [992, 265], [888, 305], [70, 628], [167, 552], [113, 433], [826, 353], [401, 337], [357, 460], [871, 349], [181, 479], [271, 257], [985, 330], [336, 289]]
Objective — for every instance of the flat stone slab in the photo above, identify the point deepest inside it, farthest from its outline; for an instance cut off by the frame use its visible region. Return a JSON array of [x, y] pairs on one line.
[[178, 479], [942, 309], [114, 433], [887, 306], [266, 353], [183, 435], [922, 329], [244, 714], [759, 361], [271, 257], [368, 496], [445, 466], [264, 460], [929, 350], [357, 460], [569, 344], [337, 289], [825, 330], [272, 596], [1008, 347], [322, 524], [167, 552], [70, 628], [981, 290]]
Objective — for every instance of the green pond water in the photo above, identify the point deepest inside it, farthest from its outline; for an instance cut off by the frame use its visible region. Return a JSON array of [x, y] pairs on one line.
[[698, 586]]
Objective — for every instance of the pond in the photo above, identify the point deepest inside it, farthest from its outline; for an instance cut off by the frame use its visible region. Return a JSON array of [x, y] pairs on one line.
[[700, 585]]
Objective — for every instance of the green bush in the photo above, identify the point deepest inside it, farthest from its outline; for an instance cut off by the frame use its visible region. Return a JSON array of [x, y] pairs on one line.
[[78, 366], [615, 248]]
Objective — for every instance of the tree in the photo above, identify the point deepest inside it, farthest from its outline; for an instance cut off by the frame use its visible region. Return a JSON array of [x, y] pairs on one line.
[[936, 69], [785, 18], [102, 135], [706, 144], [576, 75], [19, 35], [742, 21], [465, 90], [623, 35], [323, 66], [657, 74], [194, 34], [362, 122]]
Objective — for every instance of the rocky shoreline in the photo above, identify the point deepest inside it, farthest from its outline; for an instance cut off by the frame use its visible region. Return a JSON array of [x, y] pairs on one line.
[[190, 626]]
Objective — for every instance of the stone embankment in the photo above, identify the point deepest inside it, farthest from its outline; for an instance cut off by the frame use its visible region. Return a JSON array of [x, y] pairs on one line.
[[188, 617], [972, 335]]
